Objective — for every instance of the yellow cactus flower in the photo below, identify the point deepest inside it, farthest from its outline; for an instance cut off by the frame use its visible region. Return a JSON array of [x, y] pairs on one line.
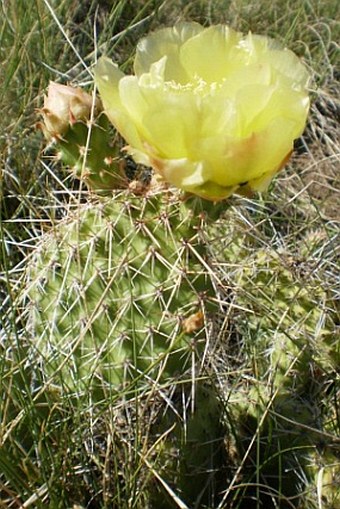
[[64, 105], [211, 110]]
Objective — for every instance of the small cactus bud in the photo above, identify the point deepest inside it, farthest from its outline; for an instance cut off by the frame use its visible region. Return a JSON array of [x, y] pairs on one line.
[[83, 142], [63, 106]]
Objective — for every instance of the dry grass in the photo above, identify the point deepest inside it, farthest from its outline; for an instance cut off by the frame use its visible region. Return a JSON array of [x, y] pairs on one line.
[[274, 354]]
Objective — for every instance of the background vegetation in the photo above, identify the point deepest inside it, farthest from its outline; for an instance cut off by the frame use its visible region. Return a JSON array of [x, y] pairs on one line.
[[52, 454]]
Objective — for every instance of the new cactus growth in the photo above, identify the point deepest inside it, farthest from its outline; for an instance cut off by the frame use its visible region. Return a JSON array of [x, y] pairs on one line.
[[79, 132], [91, 155]]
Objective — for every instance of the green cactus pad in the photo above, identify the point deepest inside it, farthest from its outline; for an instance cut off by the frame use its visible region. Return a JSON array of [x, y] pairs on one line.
[[289, 315], [119, 293]]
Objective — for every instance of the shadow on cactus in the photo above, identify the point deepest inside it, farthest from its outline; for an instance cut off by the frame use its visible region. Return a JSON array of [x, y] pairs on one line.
[[190, 460]]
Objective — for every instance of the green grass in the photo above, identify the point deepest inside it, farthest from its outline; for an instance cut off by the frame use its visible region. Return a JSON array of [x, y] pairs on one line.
[[275, 255]]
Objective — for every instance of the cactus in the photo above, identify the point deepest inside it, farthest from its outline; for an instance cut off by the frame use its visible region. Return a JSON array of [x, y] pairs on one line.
[[120, 294], [289, 311], [292, 340], [119, 291]]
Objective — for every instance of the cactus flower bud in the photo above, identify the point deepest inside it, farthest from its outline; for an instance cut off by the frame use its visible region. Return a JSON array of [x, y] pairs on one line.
[[63, 106], [211, 110], [90, 154]]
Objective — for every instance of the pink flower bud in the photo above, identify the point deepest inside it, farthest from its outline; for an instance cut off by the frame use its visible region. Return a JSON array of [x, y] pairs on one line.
[[63, 106]]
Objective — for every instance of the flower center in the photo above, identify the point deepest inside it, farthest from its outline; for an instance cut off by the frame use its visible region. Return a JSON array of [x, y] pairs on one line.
[[197, 86]]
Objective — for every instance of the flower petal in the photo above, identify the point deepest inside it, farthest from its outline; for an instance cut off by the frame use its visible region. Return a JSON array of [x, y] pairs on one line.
[[206, 54], [166, 41], [107, 78]]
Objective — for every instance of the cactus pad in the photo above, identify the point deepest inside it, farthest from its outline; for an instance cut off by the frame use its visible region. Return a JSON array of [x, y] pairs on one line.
[[119, 292]]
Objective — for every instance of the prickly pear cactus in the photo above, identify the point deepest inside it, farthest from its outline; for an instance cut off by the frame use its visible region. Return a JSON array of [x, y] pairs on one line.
[[120, 295], [119, 292], [291, 336], [288, 312]]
